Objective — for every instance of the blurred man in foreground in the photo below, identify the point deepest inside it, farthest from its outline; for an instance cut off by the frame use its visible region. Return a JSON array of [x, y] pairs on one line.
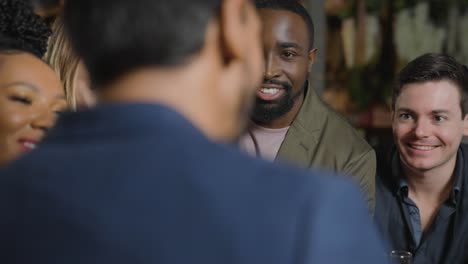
[[146, 177]]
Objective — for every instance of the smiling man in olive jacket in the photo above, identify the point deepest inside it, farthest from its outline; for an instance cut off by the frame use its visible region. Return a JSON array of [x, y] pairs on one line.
[[290, 122]]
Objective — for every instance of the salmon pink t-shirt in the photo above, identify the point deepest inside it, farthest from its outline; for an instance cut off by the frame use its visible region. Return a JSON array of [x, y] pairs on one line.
[[263, 142]]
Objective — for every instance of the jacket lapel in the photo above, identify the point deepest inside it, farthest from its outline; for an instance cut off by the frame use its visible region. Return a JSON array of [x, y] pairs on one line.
[[300, 143], [298, 146]]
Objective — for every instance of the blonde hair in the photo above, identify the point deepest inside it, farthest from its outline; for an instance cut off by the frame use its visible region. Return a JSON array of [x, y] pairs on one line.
[[63, 60]]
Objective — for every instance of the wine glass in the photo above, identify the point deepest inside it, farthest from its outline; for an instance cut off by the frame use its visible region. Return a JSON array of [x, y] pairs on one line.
[[401, 257]]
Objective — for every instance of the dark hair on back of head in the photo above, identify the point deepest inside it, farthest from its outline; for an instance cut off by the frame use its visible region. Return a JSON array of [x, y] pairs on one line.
[[114, 37], [435, 67], [21, 29], [293, 6]]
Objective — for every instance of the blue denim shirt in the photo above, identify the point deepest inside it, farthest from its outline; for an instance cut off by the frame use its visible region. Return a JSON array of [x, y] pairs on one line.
[[411, 210], [399, 220]]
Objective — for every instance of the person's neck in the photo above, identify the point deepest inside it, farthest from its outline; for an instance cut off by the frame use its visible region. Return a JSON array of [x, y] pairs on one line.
[[181, 89], [433, 186], [286, 119]]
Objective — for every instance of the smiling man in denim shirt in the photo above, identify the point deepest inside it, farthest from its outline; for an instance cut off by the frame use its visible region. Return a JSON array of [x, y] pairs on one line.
[[421, 183]]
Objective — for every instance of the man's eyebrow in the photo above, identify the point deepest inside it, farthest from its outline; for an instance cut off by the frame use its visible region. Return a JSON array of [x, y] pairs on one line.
[[404, 109], [286, 45], [440, 111], [434, 112]]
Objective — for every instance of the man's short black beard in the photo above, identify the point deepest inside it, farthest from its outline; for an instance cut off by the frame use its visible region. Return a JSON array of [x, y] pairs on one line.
[[266, 111]]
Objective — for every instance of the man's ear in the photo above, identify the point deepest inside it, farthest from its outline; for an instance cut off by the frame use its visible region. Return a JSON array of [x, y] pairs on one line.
[[465, 125], [232, 23], [311, 58]]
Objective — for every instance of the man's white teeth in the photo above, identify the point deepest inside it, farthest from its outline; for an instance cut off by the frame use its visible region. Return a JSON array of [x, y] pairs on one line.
[[269, 90], [422, 147], [29, 145]]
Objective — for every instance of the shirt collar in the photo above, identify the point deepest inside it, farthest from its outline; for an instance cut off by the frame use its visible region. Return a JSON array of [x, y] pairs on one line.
[[458, 183], [401, 185], [403, 188]]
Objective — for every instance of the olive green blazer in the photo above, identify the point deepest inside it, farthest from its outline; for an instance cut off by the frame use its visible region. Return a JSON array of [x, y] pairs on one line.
[[320, 137]]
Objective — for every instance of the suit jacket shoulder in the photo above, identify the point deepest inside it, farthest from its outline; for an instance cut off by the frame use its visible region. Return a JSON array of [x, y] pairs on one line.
[[140, 185]]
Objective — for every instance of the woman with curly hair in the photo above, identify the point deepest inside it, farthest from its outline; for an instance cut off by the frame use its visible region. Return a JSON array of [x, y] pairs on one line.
[[74, 76], [31, 94]]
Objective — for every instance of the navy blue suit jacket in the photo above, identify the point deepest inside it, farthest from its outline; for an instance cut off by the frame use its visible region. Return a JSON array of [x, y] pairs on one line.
[[139, 184]]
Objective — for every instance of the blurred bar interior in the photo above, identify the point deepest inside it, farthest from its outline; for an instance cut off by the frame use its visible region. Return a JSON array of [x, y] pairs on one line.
[[363, 44]]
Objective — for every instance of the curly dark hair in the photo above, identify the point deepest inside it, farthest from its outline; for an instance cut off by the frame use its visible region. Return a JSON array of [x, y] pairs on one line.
[[21, 29]]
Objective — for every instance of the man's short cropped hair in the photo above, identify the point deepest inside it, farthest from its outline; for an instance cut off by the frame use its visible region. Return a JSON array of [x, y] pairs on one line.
[[435, 67], [292, 6], [114, 37]]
